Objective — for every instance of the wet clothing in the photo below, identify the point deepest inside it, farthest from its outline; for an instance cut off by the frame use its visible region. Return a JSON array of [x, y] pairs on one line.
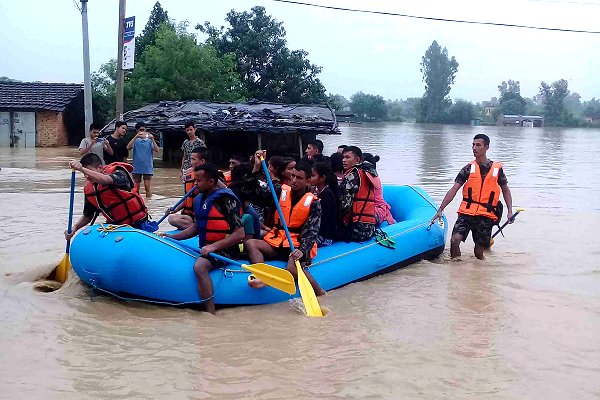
[[480, 227], [226, 208], [383, 211], [119, 148], [260, 195], [481, 195], [215, 223], [143, 156], [357, 203], [97, 148], [295, 216], [117, 202], [463, 175], [329, 215]]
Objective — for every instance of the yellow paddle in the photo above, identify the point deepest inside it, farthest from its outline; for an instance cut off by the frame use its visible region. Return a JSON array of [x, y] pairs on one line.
[[62, 269], [309, 298], [275, 277]]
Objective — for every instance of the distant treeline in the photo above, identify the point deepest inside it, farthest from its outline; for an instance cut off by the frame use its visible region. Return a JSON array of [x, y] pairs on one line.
[[249, 59]]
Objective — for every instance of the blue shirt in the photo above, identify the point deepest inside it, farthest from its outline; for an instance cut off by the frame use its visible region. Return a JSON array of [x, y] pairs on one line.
[[143, 156]]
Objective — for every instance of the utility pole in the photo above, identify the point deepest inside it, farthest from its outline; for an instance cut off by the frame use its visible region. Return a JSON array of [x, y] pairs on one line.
[[87, 82], [120, 72]]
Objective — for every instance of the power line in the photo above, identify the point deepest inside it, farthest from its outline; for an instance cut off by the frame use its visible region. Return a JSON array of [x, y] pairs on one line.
[[436, 19]]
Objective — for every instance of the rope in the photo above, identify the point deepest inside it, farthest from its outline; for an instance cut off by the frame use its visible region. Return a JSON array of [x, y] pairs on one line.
[[368, 245], [164, 303]]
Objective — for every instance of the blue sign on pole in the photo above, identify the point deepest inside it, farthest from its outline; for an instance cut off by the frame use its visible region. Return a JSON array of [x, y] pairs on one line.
[[128, 43]]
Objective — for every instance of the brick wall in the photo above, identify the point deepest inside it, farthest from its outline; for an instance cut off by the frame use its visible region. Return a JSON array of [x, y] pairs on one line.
[[50, 129]]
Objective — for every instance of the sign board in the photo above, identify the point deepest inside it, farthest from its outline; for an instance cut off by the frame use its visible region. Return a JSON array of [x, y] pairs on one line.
[[128, 43]]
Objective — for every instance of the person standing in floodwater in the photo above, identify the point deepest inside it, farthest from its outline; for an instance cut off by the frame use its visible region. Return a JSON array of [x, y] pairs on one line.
[[482, 179], [144, 148]]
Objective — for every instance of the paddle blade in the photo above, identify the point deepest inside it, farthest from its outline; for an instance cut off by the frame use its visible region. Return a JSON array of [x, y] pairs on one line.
[[149, 226], [309, 298], [62, 269], [275, 277]]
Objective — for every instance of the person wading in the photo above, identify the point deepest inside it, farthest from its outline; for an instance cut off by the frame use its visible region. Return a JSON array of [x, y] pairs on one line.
[[483, 179]]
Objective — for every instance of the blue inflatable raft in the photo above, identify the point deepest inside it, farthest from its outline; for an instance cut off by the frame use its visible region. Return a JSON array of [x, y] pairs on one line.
[[131, 263]]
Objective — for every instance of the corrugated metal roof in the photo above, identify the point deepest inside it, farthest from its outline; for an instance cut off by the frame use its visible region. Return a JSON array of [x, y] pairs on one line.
[[256, 117], [38, 95]]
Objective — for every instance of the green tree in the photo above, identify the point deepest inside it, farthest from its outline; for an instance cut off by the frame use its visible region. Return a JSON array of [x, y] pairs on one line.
[[553, 97], [439, 72], [176, 68], [337, 101], [267, 68], [591, 108], [461, 112], [368, 106], [395, 110], [104, 92], [158, 17], [510, 101]]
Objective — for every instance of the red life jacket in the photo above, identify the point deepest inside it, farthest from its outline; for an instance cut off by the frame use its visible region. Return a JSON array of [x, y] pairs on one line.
[[117, 205], [295, 218], [363, 206], [211, 224], [480, 197]]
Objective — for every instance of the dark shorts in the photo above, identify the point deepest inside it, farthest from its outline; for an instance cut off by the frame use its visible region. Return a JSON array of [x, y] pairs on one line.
[[480, 227], [138, 177], [283, 254]]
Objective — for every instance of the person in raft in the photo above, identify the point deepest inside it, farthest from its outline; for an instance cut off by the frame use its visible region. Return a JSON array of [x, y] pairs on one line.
[[144, 148], [314, 152], [357, 197], [302, 213], [108, 190], [483, 179], [383, 211], [325, 186], [199, 156], [234, 160], [218, 226]]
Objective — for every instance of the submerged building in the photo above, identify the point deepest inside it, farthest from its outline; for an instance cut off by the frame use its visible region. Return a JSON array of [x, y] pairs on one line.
[[234, 128]]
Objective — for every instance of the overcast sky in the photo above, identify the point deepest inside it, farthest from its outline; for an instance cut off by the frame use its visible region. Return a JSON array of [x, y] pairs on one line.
[[41, 41]]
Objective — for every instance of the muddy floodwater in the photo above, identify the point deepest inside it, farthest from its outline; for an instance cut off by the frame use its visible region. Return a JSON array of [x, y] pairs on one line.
[[523, 324]]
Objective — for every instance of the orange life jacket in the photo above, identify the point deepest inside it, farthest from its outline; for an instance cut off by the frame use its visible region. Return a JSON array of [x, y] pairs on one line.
[[363, 206], [188, 203], [117, 205], [480, 197], [295, 218], [211, 224]]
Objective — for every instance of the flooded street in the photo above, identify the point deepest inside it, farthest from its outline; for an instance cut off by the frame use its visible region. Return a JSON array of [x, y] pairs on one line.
[[523, 324]]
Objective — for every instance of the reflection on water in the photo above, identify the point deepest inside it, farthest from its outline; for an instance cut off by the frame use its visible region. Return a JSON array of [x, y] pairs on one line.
[[524, 323]]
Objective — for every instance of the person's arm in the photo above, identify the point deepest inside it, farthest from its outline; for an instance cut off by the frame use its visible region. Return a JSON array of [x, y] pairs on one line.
[[94, 176], [187, 233], [83, 148], [154, 144], [447, 199], [132, 141], [508, 199], [108, 148], [83, 221]]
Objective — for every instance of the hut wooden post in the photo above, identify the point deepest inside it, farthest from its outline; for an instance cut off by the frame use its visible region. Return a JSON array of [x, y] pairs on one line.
[[300, 144], [259, 141]]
